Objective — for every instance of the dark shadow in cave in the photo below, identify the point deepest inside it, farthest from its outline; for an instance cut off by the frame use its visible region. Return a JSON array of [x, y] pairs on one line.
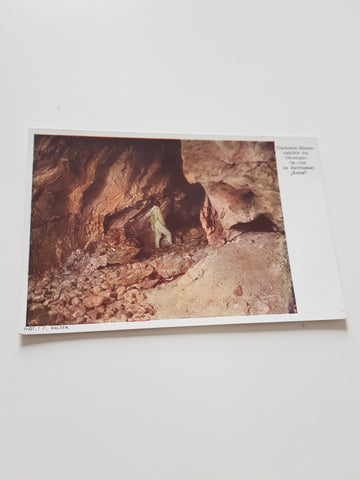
[[259, 224], [185, 212], [182, 218]]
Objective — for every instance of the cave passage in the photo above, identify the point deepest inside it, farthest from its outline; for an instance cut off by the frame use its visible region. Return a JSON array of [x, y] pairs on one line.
[[259, 224]]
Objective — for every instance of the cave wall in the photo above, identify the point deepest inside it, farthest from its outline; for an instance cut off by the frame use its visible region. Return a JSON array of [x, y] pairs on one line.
[[240, 182], [87, 187]]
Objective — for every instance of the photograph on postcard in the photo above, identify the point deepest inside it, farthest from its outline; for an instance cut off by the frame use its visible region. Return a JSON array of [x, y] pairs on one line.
[[147, 229]]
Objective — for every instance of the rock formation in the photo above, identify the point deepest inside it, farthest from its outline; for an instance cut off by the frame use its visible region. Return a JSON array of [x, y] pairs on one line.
[[240, 181], [92, 252]]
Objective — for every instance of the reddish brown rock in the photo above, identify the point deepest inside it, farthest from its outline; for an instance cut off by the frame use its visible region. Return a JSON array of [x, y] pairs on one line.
[[238, 291], [119, 317], [106, 285], [149, 283], [241, 186], [120, 291], [93, 301], [171, 265], [38, 298], [78, 312], [134, 296], [140, 317], [122, 257], [96, 262], [136, 274]]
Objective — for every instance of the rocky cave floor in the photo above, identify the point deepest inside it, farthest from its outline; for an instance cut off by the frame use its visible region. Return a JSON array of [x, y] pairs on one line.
[[247, 276], [109, 285]]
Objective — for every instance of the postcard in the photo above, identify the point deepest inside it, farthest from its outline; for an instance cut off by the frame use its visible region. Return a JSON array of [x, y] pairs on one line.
[[148, 231]]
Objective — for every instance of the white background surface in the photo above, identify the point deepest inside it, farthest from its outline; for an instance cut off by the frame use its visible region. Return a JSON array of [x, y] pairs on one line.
[[228, 402]]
